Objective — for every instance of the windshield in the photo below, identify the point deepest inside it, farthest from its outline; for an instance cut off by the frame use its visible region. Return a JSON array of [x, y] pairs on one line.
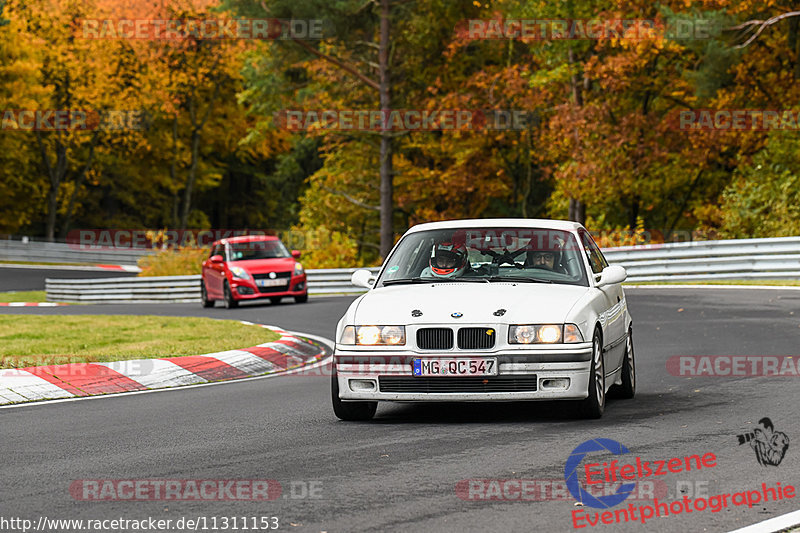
[[245, 251], [486, 255]]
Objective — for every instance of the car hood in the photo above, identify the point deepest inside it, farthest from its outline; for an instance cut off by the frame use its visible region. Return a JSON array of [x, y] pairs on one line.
[[263, 266], [524, 303]]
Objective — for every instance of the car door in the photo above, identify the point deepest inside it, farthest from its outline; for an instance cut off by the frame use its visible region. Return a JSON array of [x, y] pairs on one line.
[[614, 314], [214, 273]]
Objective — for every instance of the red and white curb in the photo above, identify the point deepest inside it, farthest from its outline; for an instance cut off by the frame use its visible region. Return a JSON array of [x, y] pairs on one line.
[[89, 379], [31, 304]]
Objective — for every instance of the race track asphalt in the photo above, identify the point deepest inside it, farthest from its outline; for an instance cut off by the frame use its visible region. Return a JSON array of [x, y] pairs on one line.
[[399, 472]]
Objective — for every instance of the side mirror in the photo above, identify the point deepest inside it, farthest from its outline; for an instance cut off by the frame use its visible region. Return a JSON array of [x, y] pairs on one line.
[[363, 278], [216, 258], [612, 274], [296, 254]]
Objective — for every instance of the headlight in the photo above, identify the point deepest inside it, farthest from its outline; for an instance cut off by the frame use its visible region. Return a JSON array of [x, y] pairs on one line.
[[549, 334], [240, 273], [374, 335], [298, 269], [544, 334]]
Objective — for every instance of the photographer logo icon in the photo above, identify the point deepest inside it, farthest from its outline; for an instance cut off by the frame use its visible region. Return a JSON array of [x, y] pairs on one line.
[[770, 445]]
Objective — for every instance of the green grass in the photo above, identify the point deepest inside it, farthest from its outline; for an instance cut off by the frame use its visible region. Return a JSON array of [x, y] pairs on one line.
[[772, 282], [22, 296], [27, 340]]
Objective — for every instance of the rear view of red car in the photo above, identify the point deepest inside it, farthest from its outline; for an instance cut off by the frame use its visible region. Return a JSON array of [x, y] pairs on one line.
[[251, 268]]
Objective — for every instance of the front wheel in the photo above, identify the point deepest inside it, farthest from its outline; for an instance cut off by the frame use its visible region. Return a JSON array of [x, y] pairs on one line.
[[350, 411], [303, 298], [627, 389], [230, 303], [594, 405]]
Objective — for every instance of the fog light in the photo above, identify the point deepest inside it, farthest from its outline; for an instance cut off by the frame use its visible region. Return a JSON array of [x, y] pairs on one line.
[[556, 383], [244, 290], [362, 385]]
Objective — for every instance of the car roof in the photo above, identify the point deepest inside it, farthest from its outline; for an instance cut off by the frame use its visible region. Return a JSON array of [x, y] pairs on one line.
[[539, 223], [247, 238]]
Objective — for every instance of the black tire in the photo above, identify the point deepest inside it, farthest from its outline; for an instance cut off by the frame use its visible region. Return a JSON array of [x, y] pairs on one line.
[[627, 389], [275, 300], [594, 405], [204, 296], [230, 303], [350, 411], [301, 299]]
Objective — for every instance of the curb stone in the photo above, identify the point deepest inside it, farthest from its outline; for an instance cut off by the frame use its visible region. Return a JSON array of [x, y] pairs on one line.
[[75, 380]]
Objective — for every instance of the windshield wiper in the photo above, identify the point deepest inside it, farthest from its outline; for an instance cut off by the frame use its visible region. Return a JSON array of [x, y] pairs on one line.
[[405, 280], [519, 279]]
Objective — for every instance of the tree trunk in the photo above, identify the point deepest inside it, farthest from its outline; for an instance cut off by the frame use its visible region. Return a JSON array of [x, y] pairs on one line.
[[78, 184], [55, 174], [173, 171], [187, 193], [577, 209], [386, 186]]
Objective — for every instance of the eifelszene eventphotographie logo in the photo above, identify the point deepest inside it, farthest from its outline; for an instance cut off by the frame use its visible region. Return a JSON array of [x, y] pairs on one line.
[[769, 445], [617, 471]]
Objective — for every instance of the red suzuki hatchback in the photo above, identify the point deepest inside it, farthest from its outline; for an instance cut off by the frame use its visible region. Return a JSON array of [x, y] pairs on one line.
[[252, 267]]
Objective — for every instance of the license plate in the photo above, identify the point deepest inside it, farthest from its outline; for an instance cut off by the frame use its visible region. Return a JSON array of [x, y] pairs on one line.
[[455, 367], [270, 282]]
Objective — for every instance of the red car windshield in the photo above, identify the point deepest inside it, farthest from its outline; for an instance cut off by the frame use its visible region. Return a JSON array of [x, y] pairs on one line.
[[245, 251]]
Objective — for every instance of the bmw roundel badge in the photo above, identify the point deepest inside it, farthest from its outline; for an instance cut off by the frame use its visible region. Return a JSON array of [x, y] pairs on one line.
[[456, 315]]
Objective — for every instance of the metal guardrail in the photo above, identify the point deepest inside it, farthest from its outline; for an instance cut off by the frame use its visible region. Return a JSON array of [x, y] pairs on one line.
[[58, 252], [127, 290], [776, 258], [706, 260], [175, 288]]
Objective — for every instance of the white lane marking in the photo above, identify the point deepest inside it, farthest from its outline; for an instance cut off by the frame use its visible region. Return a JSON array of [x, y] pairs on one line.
[[245, 361], [327, 342], [153, 373], [773, 524], [20, 386]]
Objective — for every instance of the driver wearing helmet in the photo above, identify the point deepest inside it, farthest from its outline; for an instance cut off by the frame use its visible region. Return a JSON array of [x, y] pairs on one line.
[[548, 259], [449, 259]]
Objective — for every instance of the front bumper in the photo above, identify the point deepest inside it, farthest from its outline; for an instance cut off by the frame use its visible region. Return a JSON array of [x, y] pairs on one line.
[[537, 374], [246, 289]]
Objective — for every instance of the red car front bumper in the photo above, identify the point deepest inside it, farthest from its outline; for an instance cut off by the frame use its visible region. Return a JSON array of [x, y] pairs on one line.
[[246, 289]]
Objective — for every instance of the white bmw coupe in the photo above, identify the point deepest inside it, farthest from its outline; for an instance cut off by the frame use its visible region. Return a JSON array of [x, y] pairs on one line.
[[486, 310]]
